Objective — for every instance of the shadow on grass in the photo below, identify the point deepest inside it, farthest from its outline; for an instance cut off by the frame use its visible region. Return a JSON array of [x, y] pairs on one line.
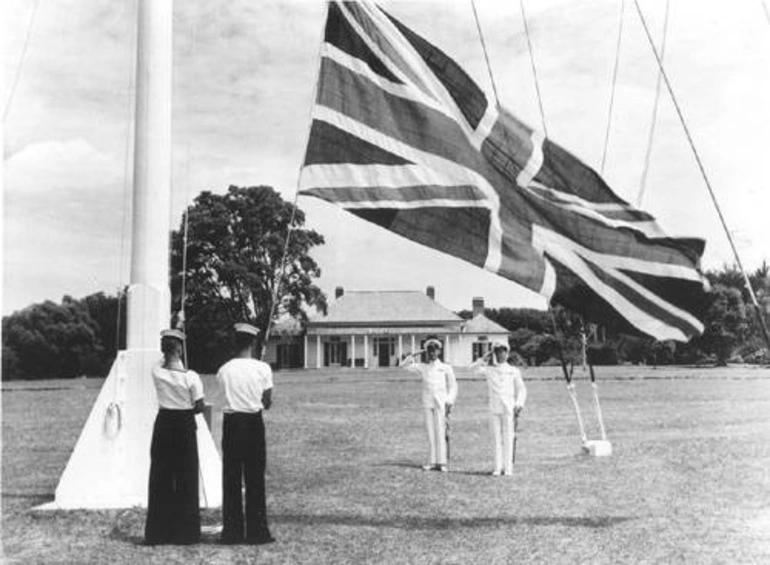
[[129, 526], [420, 523]]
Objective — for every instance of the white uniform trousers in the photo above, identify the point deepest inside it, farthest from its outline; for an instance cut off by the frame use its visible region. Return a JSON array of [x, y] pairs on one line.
[[435, 422], [502, 436]]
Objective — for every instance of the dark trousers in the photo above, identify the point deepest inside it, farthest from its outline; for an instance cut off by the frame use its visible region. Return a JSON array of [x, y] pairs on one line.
[[243, 463], [173, 514]]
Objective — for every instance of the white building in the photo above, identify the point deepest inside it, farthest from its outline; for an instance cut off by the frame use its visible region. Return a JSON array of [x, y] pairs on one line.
[[377, 328]]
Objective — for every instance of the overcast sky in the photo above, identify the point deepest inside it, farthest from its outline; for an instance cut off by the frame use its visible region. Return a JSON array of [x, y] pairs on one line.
[[244, 74]]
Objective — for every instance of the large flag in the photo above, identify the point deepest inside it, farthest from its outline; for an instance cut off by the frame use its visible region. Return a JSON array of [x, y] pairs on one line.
[[401, 136]]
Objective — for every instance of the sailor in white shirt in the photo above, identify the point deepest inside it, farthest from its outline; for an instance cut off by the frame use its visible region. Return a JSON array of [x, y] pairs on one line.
[[439, 392], [173, 514], [246, 384], [507, 395]]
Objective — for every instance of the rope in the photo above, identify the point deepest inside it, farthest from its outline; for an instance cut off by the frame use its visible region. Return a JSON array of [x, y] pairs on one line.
[[277, 285], [648, 153], [534, 68], [16, 78], [486, 56], [614, 83], [183, 297], [767, 12], [130, 100], [704, 175]]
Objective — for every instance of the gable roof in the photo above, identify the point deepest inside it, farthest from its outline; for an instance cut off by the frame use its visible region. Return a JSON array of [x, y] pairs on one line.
[[480, 324], [385, 308]]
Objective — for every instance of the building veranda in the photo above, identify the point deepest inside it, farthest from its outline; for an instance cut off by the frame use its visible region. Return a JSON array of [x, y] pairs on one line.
[[372, 329]]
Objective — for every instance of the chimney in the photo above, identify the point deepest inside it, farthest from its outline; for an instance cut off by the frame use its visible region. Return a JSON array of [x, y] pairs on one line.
[[478, 305], [431, 292], [338, 292]]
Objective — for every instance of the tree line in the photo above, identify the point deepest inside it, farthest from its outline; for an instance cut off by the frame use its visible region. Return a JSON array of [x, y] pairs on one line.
[[732, 331], [238, 251], [239, 266]]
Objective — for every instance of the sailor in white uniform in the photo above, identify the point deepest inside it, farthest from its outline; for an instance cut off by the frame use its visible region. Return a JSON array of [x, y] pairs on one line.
[[507, 395], [439, 391], [246, 384]]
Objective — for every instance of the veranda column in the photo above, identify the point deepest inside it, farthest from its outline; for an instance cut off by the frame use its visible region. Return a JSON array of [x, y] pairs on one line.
[[400, 347], [304, 356], [352, 350], [366, 351], [318, 351]]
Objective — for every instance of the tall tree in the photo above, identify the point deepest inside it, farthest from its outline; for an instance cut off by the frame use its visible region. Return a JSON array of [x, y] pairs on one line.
[[726, 324], [235, 257], [103, 309], [50, 340]]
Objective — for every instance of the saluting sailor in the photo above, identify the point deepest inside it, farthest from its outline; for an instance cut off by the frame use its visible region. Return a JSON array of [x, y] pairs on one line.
[[507, 395], [246, 384], [439, 391], [173, 515]]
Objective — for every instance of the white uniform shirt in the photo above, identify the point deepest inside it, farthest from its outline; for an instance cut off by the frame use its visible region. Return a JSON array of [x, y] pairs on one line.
[[439, 385], [505, 386], [177, 389], [242, 382]]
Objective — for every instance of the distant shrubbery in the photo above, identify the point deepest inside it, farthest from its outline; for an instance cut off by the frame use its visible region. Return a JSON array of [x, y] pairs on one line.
[[74, 338], [237, 246], [79, 336], [732, 332]]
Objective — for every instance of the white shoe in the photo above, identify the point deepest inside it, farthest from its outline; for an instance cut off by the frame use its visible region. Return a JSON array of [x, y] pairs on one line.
[[443, 468], [496, 473], [428, 467]]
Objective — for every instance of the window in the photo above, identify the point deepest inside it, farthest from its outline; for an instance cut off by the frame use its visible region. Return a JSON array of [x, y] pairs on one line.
[[480, 348]]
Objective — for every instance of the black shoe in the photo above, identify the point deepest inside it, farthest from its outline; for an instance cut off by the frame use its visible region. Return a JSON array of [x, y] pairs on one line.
[[260, 541]]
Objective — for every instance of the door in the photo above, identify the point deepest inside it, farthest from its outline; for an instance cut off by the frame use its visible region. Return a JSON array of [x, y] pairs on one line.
[[384, 353]]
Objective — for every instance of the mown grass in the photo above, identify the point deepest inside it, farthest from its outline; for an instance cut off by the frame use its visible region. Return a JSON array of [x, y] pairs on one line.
[[688, 481]]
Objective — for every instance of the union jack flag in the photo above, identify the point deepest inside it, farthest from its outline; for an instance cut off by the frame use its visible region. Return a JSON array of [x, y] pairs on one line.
[[401, 136]]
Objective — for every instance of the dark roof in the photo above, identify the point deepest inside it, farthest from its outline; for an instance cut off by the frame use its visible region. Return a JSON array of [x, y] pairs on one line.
[[385, 308]]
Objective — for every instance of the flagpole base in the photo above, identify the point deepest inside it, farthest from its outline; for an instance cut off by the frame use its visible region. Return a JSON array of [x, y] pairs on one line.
[[597, 448]]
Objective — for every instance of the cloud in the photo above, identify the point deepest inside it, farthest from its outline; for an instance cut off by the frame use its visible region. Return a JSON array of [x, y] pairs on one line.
[[60, 165], [244, 73], [64, 222]]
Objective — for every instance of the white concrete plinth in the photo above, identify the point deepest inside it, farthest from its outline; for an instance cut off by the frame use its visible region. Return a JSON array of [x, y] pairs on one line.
[[597, 448], [110, 465]]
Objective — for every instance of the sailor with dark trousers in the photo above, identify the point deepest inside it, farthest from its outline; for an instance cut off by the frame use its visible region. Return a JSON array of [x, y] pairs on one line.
[[246, 384], [173, 514], [439, 392], [507, 395]]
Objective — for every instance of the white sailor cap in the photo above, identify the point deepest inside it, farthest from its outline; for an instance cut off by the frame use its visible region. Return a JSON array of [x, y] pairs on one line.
[[500, 344], [433, 342], [178, 334], [246, 329]]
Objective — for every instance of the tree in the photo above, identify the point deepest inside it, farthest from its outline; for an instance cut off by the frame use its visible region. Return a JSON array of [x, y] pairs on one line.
[[103, 310], [50, 340], [725, 323], [235, 257]]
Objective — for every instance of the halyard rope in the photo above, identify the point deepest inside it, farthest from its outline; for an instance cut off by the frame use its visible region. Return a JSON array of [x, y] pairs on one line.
[[648, 153], [703, 174], [486, 56], [614, 83]]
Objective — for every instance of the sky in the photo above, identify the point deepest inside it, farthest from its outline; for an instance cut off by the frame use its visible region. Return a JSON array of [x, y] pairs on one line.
[[244, 78]]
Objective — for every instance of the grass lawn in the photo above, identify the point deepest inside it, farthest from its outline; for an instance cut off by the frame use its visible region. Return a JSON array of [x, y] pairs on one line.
[[688, 482]]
